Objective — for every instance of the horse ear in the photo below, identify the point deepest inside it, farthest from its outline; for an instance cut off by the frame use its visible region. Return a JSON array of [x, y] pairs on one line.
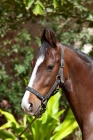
[[48, 35]]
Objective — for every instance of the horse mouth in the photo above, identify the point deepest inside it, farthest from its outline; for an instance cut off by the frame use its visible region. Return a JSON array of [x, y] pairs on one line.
[[30, 113], [37, 115]]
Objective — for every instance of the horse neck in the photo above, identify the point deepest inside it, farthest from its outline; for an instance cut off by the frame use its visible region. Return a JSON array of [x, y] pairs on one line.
[[74, 74], [74, 66]]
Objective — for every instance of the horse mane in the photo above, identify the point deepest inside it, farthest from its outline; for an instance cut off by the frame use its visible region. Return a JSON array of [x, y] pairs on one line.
[[86, 58]]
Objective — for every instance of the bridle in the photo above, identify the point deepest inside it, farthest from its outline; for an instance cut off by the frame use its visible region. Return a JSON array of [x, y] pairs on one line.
[[54, 89], [44, 99]]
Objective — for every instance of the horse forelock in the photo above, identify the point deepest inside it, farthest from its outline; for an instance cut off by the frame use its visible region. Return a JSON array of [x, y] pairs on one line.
[[42, 50]]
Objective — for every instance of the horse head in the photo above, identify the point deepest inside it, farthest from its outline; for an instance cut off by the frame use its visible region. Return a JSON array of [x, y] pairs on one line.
[[45, 70]]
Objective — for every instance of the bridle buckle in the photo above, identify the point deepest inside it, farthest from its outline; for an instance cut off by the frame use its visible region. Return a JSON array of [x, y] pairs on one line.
[[43, 103], [58, 78]]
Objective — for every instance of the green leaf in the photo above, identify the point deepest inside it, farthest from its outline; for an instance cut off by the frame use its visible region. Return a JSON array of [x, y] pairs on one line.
[[67, 127], [28, 3], [44, 117], [90, 17], [38, 10], [15, 50], [59, 113], [53, 103], [6, 125], [24, 120], [40, 3], [6, 135], [9, 117], [20, 69], [55, 3]]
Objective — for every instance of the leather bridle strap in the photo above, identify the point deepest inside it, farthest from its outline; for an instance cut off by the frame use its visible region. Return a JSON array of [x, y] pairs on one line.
[[57, 82], [48, 94], [62, 64], [35, 92]]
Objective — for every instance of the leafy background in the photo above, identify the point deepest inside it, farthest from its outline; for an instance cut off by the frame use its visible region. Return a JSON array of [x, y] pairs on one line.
[[21, 23]]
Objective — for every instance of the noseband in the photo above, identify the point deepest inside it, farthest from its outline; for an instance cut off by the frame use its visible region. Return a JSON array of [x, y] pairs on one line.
[[59, 79]]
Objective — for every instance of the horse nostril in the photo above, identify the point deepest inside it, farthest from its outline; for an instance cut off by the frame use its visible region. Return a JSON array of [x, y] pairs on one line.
[[31, 106]]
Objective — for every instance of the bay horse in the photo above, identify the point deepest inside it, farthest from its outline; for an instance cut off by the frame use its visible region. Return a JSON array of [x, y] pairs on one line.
[[57, 65]]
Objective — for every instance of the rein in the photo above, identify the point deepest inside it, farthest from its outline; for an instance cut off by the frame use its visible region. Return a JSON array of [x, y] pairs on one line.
[[44, 99], [37, 114]]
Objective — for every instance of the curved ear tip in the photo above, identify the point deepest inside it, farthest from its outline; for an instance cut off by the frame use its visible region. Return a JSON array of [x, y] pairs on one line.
[[48, 35], [48, 29]]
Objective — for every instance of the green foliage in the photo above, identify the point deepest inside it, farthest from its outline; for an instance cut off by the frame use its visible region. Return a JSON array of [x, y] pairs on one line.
[[14, 14], [15, 56], [48, 127], [76, 35], [67, 127], [67, 18]]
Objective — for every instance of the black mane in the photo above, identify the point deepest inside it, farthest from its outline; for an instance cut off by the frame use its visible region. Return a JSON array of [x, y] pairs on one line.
[[86, 58]]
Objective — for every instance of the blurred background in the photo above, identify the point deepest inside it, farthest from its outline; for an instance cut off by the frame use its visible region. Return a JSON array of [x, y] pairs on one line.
[[21, 25]]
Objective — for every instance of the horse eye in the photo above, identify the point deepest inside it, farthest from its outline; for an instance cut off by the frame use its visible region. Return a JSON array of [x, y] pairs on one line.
[[50, 67]]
